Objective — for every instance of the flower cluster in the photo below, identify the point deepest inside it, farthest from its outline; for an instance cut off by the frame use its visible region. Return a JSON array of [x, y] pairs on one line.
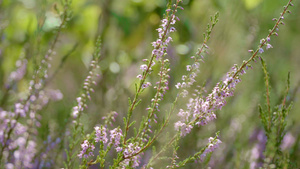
[[17, 140], [184, 128], [193, 70], [13, 133], [161, 86], [87, 89], [101, 135], [258, 149], [23, 148], [115, 137], [213, 143], [78, 108], [200, 111], [131, 160], [189, 80], [263, 42], [20, 72], [19, 110], [288, 141], [161, 44], [86, 150]]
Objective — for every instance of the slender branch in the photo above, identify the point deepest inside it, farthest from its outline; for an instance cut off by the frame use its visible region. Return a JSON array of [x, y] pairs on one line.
[[156, 136], [264, 42], [154, 103], [145, 74]]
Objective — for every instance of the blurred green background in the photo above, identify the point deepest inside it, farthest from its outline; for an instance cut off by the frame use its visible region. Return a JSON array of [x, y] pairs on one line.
[[127, 27]]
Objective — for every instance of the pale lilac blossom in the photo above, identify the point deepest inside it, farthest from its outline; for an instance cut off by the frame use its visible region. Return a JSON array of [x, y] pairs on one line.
[[20, 72], [130, 156], [201, 110], [144, 67], [139, 76], [19, 110], [288, 141], [183, 127], [101, 135], [147, 84], [78, 108], [211, 146], [269, 46], [115, 136], [188, 67], [86, 150], [258, 149]]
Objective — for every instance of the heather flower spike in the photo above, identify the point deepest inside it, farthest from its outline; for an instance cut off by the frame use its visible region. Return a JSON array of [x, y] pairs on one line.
[[81, 105], [158, 53]]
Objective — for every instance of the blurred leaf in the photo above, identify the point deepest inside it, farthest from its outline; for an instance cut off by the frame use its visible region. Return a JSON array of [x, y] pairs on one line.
[[51, 22], [250, 4]]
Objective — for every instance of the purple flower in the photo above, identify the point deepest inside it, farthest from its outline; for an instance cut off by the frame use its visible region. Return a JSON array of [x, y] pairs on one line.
[[269, 46], [115, 136], [139, 76], [178, 85], [86, 150], [145, 85], [184, 115], [19, 110], [173, 21], [184, 128], [168, 40], [287, 142], [9, 166], [172, 29], [101, 135], [211, 146], [20, 72], [260, 50], [118, 149], [133, 161], [262, 41], [188, 67], [55, 95], [143, 67]]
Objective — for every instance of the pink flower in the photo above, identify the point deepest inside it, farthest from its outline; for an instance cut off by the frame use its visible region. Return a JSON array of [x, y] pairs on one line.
[[101, 135], [115, 136], [86, 150]]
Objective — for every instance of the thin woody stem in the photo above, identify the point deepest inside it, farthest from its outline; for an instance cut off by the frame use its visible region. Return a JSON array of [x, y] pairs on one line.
[[145, 74]]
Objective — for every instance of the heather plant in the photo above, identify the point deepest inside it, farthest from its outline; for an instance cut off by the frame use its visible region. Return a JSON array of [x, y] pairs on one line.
[[274, 123], [162, 113]]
